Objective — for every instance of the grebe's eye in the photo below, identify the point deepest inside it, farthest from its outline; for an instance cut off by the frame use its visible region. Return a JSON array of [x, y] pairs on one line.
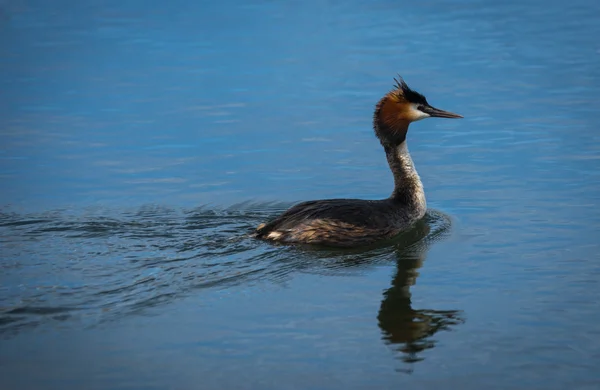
[[420, 107]]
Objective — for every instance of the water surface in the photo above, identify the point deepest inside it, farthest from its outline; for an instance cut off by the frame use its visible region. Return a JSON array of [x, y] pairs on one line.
[[140, 144]]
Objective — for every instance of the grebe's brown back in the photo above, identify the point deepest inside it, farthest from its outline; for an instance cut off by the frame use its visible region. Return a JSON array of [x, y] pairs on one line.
[[354, 222]]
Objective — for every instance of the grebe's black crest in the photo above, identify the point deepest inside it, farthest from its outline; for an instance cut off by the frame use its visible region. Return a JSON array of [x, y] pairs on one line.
[[409, 94]]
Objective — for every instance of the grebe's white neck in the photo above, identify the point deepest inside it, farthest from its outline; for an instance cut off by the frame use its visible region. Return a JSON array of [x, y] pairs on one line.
[[408, 188]]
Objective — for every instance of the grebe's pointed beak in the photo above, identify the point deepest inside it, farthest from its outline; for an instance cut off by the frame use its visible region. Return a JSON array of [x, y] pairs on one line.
[[437, 113]]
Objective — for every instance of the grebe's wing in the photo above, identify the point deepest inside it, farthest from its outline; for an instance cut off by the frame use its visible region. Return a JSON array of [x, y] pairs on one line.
[[350, 211]]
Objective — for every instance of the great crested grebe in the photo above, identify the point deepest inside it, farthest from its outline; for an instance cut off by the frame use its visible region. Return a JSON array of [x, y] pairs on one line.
[[354, 222]]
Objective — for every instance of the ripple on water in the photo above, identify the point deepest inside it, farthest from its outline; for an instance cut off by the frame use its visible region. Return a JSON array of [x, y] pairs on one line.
[[104, 266]]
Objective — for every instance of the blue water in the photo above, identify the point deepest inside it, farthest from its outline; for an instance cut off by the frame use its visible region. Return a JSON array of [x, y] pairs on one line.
[[141, 142]]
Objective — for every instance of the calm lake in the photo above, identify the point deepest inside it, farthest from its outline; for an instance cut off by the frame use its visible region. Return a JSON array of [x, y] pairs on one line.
[[141, 142]]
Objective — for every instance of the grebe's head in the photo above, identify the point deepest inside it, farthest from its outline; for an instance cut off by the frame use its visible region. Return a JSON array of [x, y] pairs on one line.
[[397, 109]]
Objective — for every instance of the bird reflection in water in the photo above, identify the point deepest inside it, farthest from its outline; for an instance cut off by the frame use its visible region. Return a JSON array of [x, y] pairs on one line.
[[409, 330]]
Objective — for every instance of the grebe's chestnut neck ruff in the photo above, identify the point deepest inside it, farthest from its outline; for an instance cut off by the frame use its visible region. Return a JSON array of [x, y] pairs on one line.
[[353, 222]]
